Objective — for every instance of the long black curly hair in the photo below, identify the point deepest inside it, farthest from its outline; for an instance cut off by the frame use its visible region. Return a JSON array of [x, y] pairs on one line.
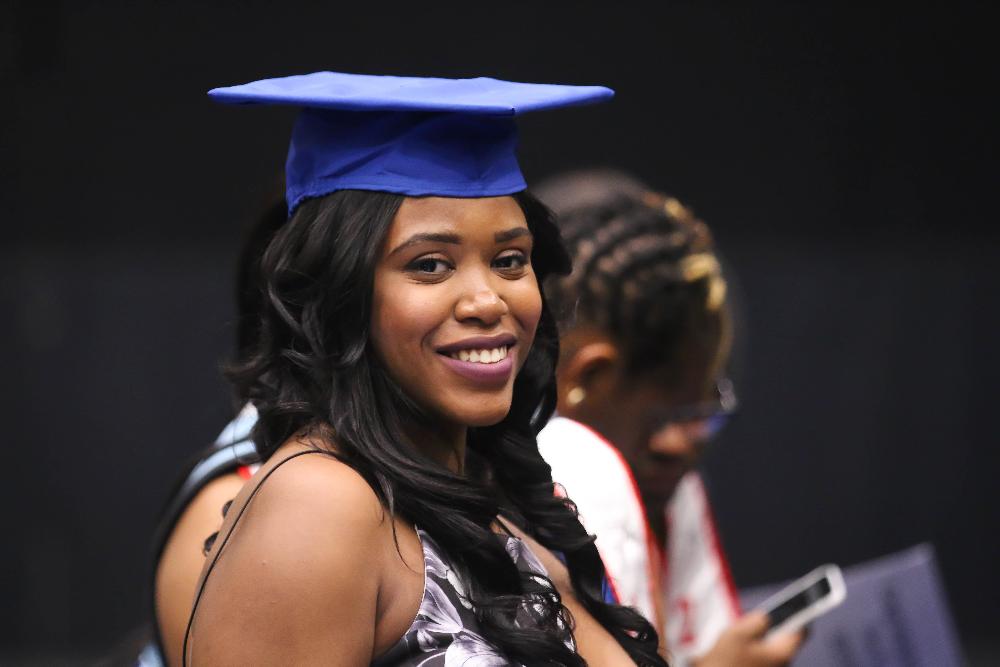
[[312, 364]]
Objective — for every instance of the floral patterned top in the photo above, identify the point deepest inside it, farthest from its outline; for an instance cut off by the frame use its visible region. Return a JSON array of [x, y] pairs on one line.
[[445, 632]]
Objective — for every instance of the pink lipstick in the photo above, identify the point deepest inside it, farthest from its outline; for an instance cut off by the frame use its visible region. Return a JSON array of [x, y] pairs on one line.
[[495, 374]]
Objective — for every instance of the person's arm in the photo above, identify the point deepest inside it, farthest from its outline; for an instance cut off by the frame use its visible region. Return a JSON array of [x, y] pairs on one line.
[[183, 559], [298, 581]]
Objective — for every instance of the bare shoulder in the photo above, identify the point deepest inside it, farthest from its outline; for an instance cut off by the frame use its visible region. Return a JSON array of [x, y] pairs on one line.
[[307, 504], [301, 552], [296, 477]]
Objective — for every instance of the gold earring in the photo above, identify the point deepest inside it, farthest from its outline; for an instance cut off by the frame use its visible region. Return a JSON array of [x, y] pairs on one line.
[[575, 396]]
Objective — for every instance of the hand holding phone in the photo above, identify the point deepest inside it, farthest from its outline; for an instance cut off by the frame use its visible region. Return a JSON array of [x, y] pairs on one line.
[[744, 644], [805, 599]]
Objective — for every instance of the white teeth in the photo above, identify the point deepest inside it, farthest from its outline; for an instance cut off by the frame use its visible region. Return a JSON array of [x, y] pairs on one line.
[[481, 356]]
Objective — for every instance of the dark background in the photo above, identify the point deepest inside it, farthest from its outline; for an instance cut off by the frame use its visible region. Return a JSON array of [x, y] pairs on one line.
[[844, 159]]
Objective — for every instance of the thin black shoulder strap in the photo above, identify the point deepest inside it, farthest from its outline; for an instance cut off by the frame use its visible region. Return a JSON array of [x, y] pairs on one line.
[[218, 553]]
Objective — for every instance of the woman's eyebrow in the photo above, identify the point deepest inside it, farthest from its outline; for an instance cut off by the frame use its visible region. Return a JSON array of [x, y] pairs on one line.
[[432, 237], [510, 234]]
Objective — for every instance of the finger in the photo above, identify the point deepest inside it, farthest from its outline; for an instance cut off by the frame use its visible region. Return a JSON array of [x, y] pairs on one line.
[[781, 648], [751, 625]]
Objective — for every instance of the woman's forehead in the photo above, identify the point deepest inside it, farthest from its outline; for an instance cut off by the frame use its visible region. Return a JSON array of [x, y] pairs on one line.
[[459, 216]]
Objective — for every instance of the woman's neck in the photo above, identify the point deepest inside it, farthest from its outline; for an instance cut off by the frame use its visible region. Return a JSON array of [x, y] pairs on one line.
[[443, 443]]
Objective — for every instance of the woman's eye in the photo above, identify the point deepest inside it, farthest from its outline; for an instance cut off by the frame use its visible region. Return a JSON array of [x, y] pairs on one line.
[[429, 265], [513, 262]]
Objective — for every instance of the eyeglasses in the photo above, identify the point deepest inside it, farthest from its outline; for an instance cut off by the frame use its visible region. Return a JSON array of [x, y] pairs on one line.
[[715, 412]]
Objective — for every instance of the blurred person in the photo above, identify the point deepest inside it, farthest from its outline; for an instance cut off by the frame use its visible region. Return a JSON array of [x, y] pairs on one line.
[[192, 518], [646, 334], [447, 470]]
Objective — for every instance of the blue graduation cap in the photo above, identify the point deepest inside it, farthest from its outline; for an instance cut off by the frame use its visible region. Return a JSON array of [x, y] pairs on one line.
[[409, 135]]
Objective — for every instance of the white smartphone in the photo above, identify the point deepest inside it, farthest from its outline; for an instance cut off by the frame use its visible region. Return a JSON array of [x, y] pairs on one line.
[[803, 600]]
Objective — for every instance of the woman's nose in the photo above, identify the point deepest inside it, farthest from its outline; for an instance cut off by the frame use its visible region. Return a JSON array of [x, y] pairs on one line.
[[483, 304], [680, 439]]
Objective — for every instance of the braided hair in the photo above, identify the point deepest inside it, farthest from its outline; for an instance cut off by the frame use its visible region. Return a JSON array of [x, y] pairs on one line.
[[644, 269]]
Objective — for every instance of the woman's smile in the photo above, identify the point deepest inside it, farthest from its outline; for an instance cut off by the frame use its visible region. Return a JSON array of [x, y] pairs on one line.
[[482, 359]]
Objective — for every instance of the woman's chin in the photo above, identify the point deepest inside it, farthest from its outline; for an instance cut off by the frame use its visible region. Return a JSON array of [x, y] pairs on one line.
[[482, 414], [486, 418]]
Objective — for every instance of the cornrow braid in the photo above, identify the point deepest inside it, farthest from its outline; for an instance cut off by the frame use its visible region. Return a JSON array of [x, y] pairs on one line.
[[644, 269]]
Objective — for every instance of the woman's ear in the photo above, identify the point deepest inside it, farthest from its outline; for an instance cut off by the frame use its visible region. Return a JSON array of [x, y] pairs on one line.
[[587, 374]]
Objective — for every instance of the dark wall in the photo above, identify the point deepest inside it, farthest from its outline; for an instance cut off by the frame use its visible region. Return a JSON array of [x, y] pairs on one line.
[[843, 158]]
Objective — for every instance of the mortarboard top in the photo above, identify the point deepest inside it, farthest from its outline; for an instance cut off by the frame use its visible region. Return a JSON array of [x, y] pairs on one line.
[[409, 135]]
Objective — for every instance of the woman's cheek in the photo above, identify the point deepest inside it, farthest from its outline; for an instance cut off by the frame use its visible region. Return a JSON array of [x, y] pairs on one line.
[[421, 311], [399, 320], [529, 307]]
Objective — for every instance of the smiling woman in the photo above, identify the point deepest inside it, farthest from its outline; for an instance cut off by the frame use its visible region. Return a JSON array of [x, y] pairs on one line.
[[404, 362], [456, 305]]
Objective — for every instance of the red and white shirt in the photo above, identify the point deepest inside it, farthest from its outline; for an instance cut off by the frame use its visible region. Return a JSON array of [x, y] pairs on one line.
[[686, 580]]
